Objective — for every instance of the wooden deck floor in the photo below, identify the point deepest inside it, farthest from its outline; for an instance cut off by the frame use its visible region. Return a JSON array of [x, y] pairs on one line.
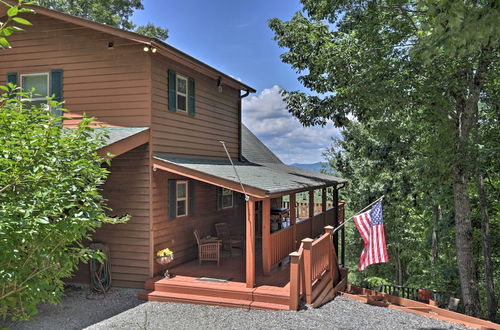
[[224, 285]]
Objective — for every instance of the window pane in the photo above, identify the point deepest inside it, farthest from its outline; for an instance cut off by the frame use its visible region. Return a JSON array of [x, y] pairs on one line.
[[226, 191], [227, 201], [181, 85], [181, 207], [181, 102], [181, 190], [39, 82], [38, 103]]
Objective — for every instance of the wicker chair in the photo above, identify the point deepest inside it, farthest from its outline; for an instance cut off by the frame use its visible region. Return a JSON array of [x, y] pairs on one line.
[[224, 235], [207, 250]]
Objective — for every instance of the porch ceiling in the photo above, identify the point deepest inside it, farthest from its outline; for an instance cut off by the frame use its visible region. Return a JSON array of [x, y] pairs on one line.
[[260, 180]]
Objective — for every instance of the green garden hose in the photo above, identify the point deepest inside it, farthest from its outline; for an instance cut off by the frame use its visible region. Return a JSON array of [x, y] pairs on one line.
[[100, 272]]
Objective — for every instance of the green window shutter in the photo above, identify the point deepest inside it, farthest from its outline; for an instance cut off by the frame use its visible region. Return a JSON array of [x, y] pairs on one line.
[[56, 88], [191, 193], [172, 199], [172, 91], [191, 97], [12, 78], [219, 198]]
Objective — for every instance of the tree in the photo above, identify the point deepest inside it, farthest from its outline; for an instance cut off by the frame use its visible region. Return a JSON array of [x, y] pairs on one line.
[[111, 12], [373, 59], [51, 201]]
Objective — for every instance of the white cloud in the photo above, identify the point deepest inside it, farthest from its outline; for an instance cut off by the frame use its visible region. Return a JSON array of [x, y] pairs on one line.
[[266, 116]]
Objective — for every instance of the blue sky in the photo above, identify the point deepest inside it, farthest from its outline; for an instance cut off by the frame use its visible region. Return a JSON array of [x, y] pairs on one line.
[[233, 37]]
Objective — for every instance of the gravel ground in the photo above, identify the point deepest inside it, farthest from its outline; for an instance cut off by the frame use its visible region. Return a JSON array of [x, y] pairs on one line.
[[341, 313], [78, 309]]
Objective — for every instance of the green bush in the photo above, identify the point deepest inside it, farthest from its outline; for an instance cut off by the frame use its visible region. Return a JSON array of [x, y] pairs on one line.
[[50, 201]]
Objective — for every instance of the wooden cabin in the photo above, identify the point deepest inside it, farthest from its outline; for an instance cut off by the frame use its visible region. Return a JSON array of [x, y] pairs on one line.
[[166, 113]]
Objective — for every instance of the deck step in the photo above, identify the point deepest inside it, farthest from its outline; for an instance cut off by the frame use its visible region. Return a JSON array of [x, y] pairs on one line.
[[197, 299], [206, 290]]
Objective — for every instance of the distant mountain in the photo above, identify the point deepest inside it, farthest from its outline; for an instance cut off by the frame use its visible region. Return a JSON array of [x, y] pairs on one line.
[[311, 167]]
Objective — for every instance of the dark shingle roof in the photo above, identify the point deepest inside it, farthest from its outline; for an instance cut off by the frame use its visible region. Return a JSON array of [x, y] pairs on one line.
[[272, 178], [254, 150], [116, 134]]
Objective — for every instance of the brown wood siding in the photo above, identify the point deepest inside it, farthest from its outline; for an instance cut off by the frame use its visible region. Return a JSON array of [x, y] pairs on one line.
[[112, 85], [127, 191], [178, 234], [216, 117]]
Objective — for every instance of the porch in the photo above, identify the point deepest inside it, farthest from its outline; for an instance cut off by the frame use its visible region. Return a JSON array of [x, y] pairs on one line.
[[281, 262]]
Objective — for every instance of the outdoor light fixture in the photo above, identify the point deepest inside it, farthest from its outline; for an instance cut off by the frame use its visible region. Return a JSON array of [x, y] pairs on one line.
[[146, 48], [153, 50], [149, 48], [219, 84], [111, 45]]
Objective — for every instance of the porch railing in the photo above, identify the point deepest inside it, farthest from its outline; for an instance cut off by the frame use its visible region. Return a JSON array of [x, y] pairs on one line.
[[282, 243], [312, 269]]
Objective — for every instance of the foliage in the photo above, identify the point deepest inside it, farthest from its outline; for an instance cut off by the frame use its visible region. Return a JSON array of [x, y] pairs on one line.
[[50, 196], [415, 79], [7, 28], [111, 12]]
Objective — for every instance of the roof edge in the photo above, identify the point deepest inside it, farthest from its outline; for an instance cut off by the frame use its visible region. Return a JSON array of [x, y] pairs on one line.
[[133, 36]]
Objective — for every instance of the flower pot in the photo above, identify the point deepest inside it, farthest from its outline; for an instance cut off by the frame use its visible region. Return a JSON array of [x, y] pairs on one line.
[[164, 260]]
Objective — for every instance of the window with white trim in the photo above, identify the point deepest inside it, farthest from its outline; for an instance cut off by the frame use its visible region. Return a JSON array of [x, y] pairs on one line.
[[227, 198], [39, 82], [181, 198], [181, 93]]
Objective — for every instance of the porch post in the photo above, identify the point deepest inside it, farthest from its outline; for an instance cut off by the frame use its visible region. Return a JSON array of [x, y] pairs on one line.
[[266, 236], [323, 205], [293, 218], [311, 213], [336, 219], [250, 243]]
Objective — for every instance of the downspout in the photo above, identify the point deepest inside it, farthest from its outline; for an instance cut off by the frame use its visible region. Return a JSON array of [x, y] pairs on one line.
[[240, 155]]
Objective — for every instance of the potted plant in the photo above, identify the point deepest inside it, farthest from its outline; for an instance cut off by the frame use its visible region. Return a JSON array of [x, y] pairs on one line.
[[164, 257]]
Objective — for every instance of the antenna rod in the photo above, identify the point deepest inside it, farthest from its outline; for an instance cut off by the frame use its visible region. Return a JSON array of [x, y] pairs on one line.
[[247, 198]]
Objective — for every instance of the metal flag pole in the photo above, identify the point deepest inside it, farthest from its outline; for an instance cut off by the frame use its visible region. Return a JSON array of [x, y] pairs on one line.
[[357, 213], [247, 198]]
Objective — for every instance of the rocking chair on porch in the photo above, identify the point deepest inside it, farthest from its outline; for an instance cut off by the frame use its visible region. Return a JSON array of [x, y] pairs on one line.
[[224, 235], [207, 250]]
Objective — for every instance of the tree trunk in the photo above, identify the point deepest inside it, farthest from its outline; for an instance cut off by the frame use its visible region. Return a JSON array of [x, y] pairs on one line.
[[466, 114], [485, 233], [466, 268], [436, 218]]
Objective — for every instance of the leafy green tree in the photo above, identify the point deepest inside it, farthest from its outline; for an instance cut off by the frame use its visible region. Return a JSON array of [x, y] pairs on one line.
[[50, 201], [11, 17], [376, 60], [111, 12]]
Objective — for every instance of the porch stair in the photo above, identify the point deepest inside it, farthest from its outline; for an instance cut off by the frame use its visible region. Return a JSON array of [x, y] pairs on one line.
[[185, 289]]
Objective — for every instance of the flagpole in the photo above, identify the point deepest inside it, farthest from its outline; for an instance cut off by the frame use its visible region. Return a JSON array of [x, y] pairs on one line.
[[341, 225]]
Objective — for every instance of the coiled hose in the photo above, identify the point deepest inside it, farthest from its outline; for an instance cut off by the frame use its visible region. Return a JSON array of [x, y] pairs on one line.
[[100, 272]]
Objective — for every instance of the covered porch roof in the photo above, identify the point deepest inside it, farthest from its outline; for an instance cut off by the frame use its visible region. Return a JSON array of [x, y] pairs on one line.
[[260, 180]]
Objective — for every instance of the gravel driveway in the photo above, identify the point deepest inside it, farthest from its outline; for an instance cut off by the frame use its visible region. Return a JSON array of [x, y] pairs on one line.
[[120, 309], [341, 313]]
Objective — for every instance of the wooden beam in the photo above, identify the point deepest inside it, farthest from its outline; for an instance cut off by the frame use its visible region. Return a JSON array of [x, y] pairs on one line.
[[311, 213], [336, 219], [323, 205], [266, 236], [127, 144], [250, 243], [293, 218]]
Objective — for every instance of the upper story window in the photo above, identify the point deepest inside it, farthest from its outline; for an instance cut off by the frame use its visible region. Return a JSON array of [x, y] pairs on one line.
[[182, 92], [181, 198], [39, 82]]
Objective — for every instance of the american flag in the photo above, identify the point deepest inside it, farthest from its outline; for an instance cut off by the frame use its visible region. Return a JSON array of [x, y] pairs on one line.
[[370, 226]]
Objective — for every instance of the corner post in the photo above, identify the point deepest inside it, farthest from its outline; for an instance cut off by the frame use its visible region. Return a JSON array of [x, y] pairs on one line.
[[323, 205], [311, 213], [307, 244], [336, 219], [250, 243], [293, 218], [266, 236], [294, 280]]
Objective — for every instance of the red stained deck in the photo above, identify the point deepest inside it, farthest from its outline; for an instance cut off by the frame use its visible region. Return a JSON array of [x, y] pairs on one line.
[[228, 287]]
